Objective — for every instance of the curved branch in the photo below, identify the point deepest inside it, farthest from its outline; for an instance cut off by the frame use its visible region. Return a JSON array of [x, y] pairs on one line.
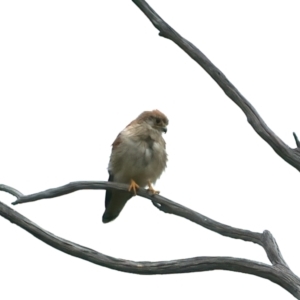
[[272, 249], [145, 268], [291, 156], [165, 205], [279, 273], [10, 190], [266, 240]]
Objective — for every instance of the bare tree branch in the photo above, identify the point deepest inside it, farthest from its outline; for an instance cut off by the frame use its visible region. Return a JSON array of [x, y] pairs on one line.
[[291, 156], [278, 273], [165, 205], [272, 249]]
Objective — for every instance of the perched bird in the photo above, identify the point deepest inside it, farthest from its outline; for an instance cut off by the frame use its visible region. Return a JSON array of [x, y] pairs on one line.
[[138, 158]]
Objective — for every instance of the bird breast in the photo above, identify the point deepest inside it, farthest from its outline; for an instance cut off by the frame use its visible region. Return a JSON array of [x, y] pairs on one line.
[[140, 158]]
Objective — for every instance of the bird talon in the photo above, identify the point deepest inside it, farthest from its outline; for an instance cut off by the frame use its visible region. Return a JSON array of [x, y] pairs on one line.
[[133, 186], [151, 190]]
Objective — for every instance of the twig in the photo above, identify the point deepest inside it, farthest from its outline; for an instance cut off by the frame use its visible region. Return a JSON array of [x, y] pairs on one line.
[[291, 156], [10, 190], [296, 140]]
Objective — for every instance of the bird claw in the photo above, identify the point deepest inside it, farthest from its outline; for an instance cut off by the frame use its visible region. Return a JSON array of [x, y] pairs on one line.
[[151, 190], [133, 186]]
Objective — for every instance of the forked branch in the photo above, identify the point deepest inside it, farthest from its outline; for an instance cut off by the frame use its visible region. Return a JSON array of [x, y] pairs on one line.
[[278, 272], [291, 156]]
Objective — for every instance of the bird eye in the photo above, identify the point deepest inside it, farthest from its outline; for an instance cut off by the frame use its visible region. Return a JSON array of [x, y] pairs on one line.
[[157, 121]]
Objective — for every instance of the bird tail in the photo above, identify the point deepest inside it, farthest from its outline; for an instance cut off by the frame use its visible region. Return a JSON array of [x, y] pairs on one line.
[[114, 203]]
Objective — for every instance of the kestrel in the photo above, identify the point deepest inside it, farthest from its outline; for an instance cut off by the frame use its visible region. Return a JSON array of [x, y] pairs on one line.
[[138, 158]]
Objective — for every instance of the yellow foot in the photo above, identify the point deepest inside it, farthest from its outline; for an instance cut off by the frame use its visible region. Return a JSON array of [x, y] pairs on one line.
[[133, 186], [151, 189]]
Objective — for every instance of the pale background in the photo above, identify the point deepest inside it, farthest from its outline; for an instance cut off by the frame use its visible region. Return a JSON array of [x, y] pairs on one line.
[[75, 73]]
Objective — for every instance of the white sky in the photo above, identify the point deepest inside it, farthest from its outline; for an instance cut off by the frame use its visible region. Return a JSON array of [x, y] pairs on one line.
[[75, 73]]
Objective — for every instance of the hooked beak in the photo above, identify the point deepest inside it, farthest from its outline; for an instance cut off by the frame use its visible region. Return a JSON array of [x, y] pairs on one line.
[[164, 129]]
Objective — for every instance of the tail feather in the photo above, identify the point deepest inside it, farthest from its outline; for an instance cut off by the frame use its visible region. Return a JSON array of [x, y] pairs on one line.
[[114, 203]]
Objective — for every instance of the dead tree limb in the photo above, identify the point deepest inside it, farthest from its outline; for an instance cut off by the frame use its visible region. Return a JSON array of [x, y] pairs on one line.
[[291, 156], [278, 272]]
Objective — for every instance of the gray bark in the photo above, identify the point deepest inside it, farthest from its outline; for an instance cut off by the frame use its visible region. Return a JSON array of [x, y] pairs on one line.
[[278, 272]]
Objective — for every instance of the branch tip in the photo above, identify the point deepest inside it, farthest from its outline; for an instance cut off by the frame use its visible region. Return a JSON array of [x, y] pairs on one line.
[[296, 140]]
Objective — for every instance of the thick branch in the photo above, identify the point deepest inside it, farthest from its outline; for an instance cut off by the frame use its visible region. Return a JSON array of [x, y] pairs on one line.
[[266, 240], [163, 267], [278, 273], [291, 156], [272, 249]]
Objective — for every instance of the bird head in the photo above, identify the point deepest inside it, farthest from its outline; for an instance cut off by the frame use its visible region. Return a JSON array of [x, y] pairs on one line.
[[155, 119]]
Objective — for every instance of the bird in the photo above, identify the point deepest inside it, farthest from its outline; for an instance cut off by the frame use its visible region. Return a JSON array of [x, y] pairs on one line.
[[138, 158]]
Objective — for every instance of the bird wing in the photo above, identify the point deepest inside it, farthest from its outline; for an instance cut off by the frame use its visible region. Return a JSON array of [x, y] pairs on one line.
[[114, 200]]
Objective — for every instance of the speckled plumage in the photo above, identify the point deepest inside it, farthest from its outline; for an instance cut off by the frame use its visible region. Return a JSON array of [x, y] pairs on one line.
[[139, 154]]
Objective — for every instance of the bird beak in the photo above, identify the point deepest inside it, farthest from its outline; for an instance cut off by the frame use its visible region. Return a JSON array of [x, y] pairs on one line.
[[164, 129]]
